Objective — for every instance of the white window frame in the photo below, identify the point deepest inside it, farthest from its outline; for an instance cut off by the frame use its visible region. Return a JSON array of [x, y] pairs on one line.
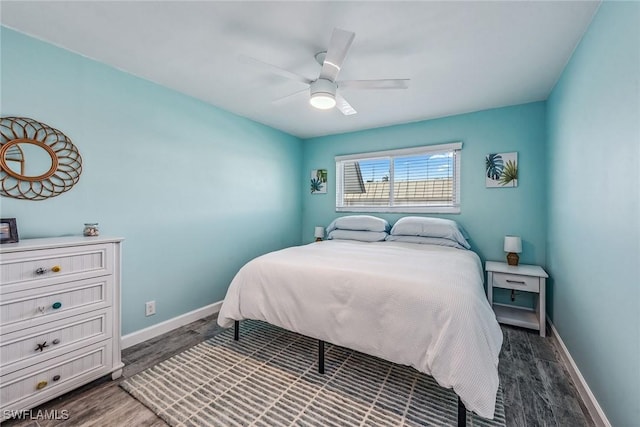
[[453, 208]]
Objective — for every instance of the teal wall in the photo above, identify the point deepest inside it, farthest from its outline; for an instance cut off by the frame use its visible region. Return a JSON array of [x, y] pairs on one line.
[[593, 250], [196, 191], [488, 214]]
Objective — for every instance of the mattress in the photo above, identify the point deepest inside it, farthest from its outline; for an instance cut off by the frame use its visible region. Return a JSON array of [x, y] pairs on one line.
[[412, 304]]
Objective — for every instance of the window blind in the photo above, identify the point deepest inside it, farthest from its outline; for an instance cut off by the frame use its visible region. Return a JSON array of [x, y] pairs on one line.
[[421, 179]]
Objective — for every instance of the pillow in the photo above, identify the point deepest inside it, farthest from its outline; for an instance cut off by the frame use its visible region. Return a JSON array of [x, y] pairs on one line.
[[430, 227], [359, 223], [362, 236], [426, 241]]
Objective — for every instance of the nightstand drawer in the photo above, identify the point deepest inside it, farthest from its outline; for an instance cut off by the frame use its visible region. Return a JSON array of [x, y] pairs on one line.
[[517, 282]]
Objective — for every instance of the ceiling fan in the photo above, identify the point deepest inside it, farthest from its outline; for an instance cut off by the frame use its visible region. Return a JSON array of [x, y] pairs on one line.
[[325, 91]]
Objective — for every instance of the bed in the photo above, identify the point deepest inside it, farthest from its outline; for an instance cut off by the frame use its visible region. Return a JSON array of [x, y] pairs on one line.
[[421, 305]]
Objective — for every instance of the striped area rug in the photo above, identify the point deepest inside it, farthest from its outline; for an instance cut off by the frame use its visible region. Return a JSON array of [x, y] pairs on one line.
[[270, 378]]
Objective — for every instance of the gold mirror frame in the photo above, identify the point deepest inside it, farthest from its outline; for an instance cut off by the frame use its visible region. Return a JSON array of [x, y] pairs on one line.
[[66, 162]]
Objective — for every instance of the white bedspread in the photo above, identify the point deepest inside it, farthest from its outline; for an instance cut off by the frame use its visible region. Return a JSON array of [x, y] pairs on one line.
[[417, 305]]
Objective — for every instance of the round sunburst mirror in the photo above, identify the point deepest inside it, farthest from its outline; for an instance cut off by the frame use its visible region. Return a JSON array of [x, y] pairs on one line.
[[36, 160]]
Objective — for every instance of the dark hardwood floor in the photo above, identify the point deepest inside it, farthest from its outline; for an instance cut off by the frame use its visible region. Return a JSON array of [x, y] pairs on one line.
[[537, 388]]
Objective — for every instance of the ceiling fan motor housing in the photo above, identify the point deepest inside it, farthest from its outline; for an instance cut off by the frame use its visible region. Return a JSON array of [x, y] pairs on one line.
[[323, 94], [324, 87]]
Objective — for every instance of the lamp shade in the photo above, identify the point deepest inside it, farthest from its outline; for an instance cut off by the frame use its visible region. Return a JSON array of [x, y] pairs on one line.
[[319, 233], [512, 244]]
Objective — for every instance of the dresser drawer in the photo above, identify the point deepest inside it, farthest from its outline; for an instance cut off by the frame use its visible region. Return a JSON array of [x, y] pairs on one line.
[[517, 282], [26, 347], [39, 383], [33, 307], [43, 267]]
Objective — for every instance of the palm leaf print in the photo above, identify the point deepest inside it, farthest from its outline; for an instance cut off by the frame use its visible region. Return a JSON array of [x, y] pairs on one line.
[[494, 166]]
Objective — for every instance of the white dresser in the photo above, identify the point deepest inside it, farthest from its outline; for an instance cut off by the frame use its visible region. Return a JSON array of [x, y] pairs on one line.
[[59, 317]]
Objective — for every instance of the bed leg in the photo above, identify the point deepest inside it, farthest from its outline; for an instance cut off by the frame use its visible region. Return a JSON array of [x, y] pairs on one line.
[[462, 414], [236, 330], [321, 356]]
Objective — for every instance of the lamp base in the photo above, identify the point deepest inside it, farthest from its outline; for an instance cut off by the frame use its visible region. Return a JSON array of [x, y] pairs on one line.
[[318, 239], [513, 258]]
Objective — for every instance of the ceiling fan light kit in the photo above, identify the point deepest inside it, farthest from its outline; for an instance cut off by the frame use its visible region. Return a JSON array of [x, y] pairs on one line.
[[323, 94], [322, 101]]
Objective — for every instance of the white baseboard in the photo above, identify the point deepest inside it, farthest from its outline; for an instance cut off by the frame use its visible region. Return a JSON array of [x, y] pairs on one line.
[[137, 337], [598, 415]]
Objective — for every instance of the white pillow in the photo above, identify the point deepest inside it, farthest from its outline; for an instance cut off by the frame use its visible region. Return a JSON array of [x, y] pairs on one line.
[[429, 227], [362, 236], [359, 223], [439, 241]]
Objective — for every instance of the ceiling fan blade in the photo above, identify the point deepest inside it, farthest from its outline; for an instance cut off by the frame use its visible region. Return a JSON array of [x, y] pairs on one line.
[[284, 99], [374, 84], [336, 53], [273, 69], [344, 107]]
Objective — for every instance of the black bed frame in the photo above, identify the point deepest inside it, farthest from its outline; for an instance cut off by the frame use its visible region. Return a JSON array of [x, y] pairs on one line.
[[462, 410]]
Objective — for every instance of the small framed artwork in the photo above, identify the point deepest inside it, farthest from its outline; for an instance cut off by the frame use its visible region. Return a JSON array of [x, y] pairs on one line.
[[319, 181], [8, 230], [501, 170]]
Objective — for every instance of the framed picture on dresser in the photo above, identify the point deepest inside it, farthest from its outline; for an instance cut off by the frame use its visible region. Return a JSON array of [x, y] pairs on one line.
[[8, 230]]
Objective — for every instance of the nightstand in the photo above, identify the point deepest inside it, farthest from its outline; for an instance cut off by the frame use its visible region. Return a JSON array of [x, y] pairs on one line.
[[528, 278]]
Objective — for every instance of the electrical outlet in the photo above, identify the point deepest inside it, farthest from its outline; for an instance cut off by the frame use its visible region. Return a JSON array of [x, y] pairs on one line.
[[150, 308]]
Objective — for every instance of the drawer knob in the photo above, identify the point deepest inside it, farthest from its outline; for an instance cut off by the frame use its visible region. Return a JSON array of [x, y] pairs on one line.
[[56, 268], [56, 305], [56, 377], [40, 271], [41, 385], [517, 282], [41, 347], [56, 341]]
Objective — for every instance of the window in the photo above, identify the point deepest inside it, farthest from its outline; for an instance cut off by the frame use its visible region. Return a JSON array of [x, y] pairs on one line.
[[421, 179]]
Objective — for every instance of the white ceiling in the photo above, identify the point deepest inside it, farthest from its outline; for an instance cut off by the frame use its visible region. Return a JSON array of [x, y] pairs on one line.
[[460, 56]]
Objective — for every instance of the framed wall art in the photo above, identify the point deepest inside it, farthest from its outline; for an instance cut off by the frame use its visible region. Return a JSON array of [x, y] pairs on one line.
[[501, 170], [319, 181]]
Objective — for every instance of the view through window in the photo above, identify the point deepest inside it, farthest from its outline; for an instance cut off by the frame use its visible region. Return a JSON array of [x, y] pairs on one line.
[[422, 179]]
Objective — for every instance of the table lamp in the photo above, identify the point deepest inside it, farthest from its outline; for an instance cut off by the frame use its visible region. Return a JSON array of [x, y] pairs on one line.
[[513, 246], [319, 234]]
